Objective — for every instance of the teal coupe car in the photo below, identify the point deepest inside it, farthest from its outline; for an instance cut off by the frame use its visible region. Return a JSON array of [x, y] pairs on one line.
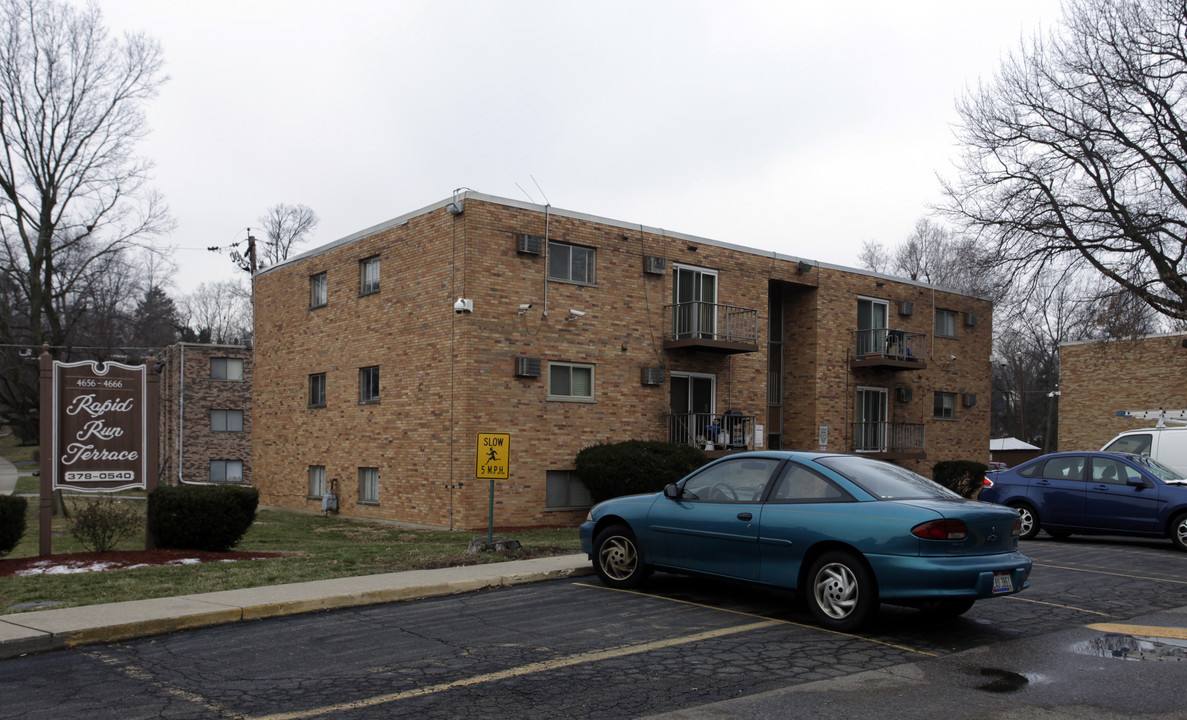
[[847, 532]]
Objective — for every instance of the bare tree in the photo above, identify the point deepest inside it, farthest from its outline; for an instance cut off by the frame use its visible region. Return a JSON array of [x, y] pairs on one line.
[[218, 312], [285, 226], [874, 256], [72, 193], [1077, 148]]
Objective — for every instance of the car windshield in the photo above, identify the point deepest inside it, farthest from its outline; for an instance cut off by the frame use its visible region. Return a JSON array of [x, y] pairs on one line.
[[885, 481], [1157, 469]]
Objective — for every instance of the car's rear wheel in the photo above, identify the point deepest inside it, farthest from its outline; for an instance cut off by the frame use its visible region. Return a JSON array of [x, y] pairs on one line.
[[1179, 531], [1030, 520], [617, 559], [841, 592]]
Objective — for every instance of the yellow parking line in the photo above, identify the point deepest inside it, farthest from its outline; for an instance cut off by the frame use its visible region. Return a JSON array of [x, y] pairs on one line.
[[1157, 631], [542, 666], [1103, 572], [1065, 607], [746, 614]]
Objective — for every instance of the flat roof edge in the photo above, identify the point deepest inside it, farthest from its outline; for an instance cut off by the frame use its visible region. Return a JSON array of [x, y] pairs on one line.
[[589, 217]]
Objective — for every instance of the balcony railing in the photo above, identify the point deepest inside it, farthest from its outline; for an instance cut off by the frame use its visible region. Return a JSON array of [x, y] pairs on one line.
[[711, 326], [887, 347], [889, 438], [711, 431]]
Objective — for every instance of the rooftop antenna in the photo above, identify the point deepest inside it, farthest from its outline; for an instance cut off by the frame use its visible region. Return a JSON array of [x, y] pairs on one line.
[[525, 194], [546, 200]]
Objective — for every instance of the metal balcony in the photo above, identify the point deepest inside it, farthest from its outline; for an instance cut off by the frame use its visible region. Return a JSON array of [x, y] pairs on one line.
[[712, 432], [889, 440], [710, 326], [889, 348]]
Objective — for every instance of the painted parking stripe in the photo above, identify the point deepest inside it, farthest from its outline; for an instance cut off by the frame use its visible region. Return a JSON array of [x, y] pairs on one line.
[[1058, 605], [1154, 631], [746, 614], [1105, 572], [521, 670]]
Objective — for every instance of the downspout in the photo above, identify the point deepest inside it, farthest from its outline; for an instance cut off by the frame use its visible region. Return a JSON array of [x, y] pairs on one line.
[[181, 415], [546, 219]]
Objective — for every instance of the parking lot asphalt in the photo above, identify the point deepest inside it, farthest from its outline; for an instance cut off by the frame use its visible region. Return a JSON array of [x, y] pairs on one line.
[[42, 630]]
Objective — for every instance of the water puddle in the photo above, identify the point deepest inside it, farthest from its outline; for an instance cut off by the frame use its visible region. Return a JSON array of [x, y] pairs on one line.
[[1133, 647]]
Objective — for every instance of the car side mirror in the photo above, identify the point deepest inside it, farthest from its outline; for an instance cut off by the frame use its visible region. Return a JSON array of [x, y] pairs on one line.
[[672, 491], [1139, 482]]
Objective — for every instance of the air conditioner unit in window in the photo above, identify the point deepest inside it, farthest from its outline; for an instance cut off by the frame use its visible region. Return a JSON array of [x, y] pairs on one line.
[[527, 367], [903, 393], [530, 244], [970, 319], [906, 307], [652, 376], [654, 265], [970, 399]]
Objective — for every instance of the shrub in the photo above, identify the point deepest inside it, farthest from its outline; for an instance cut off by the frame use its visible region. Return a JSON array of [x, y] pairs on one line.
[[12, 522], [201, 517], [100, 523], [635, 466], [960, 476]]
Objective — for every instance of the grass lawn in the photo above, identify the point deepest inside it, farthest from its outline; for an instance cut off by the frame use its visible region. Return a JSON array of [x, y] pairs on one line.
[[315, 548]]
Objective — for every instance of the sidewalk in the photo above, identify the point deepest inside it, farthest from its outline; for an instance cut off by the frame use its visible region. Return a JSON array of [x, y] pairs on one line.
[[42, 630]]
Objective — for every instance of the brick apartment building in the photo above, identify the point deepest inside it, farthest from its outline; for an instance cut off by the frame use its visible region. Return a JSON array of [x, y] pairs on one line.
[[1097, 379], [205, 414], [572, 330]]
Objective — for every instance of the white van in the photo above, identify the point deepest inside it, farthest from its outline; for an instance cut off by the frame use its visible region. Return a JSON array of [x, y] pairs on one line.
[[1167, 445]]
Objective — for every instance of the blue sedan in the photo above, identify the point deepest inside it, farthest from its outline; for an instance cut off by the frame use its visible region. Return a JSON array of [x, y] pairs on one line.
[[1093, 492], [846, 531]]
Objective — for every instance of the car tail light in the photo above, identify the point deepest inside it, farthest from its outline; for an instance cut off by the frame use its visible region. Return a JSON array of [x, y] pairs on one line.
[[1017, 529], [986, 482], [941, 530]]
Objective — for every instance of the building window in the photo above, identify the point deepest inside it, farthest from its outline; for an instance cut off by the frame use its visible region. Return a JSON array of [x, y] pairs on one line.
[[317, 290], [317, 480], [369, 276], [226, 421], [870, 429], [317, 390], [568, 381], [369, 384], [226, 471], [368, 485], [565, 491], [946, 323], [571, 263], [226, 369], [945, 406], [872, 322]]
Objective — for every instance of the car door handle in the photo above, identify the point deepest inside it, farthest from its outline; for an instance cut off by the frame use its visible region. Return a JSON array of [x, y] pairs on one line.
[[745, 516]]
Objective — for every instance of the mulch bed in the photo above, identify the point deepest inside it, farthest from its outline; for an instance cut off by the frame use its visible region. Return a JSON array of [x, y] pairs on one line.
[[68, 563]]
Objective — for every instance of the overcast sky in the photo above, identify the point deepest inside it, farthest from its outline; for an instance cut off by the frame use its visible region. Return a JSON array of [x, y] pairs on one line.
[[800, 127]]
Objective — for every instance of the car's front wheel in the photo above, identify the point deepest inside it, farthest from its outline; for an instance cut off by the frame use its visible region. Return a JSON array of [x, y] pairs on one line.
[[617, 559], [1030, 521], [841, 592], [1179, 531]]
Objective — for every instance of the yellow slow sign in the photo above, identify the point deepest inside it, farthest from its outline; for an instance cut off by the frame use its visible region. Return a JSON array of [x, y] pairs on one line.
[[493, 456]]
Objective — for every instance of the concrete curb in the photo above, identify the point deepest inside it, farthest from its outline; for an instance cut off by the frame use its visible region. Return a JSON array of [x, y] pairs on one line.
[[42, 630]]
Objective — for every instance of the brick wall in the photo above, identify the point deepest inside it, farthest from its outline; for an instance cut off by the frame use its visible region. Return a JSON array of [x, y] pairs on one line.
[[187, 396], [446, 377], [1096, 379]]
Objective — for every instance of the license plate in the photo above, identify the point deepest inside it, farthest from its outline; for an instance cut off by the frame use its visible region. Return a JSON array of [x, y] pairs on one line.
[[1003, 582]]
